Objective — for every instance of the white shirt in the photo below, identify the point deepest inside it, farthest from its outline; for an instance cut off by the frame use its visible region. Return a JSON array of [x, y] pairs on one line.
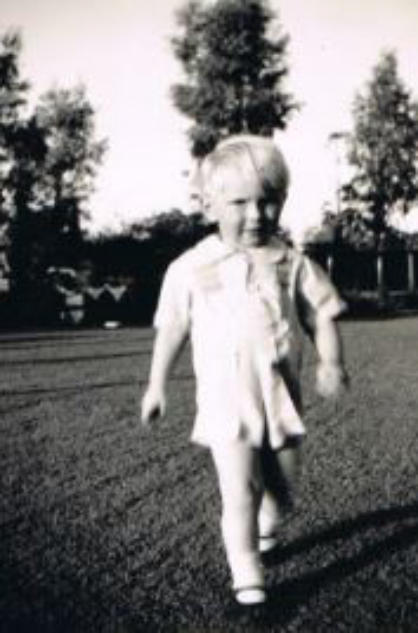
[[243, 312]]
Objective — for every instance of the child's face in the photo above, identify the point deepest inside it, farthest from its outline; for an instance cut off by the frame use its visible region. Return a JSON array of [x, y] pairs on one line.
[[247, 213]]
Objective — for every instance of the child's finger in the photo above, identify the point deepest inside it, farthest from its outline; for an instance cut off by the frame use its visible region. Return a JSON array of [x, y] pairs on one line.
[[150, 415], [155, 413]]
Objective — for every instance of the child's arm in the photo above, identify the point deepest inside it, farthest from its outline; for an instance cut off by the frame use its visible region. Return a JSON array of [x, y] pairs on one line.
[[331, 376], [171, 321], [168, 343], [319, 306]]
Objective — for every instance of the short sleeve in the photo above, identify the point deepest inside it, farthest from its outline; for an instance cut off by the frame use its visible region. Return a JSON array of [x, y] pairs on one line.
[[173, 306], [318, 296]]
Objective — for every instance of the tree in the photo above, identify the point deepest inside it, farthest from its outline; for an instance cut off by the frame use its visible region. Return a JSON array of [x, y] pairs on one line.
[[22, 150], [383, 146], [73, 155], [164, 237], [12, 99], [54, 163], [350, 230], [234, 67], [48, 162], [27, 231]]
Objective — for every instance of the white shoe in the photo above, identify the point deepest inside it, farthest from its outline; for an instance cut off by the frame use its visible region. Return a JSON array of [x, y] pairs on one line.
[[251, 595], [267, 543]]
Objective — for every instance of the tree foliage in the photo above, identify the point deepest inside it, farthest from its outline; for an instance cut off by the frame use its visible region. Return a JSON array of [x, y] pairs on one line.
[[383, 146], [48, 161], [73, 155], [351, 229], [145, 248], [27, 230], [165, 236], [22, 150], [13, 92], [234, 64]]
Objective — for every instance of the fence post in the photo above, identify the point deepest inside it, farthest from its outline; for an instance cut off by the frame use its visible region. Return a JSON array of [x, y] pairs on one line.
[[411, 272], [381, 290]]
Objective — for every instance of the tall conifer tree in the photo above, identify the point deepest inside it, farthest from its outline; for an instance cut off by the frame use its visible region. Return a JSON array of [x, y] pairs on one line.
[[384, 146], [234, 60]]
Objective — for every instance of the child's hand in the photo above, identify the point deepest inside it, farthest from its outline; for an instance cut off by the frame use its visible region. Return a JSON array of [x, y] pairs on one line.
[[331, 379], [153, 405]]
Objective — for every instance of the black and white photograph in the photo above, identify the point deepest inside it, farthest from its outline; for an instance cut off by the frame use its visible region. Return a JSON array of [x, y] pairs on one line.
[[208, 316]]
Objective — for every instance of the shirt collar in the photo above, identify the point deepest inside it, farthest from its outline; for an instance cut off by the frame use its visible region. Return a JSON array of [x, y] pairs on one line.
[[273, 253]]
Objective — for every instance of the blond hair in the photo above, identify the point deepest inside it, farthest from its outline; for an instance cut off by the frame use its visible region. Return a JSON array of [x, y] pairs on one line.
[[247, 152]]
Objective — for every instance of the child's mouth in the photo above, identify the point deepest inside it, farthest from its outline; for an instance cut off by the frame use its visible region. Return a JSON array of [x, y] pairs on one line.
[[258, 229], [255, 235]]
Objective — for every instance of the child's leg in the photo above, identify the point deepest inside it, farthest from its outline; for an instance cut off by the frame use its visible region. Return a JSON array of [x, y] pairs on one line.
[[238, 469], [281, 474]]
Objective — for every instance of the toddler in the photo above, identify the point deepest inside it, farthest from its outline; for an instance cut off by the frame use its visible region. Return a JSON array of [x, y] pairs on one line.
[[246, 298]]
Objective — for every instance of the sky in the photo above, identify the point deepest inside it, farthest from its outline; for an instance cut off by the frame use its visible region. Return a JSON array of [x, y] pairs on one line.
[[120, 50]]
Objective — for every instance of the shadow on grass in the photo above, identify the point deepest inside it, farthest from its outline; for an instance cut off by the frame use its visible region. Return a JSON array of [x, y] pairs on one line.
[[74, 597], [288, 595]]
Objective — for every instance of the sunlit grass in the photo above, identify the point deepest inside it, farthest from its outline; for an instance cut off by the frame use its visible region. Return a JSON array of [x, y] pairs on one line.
[[107, 527]]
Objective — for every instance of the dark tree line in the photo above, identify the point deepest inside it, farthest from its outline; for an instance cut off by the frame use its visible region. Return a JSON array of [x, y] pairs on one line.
[[233, 54], [139, 255], [48, 161]]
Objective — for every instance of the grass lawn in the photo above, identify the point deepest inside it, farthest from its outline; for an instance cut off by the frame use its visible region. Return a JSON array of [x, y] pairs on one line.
[[107, 528]]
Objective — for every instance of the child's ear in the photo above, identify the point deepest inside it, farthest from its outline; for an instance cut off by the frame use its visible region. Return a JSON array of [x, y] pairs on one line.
[[195, 192], [195, 203]]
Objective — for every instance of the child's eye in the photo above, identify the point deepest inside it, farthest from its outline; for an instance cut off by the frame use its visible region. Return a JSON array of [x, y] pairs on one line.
[[238, 202]]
